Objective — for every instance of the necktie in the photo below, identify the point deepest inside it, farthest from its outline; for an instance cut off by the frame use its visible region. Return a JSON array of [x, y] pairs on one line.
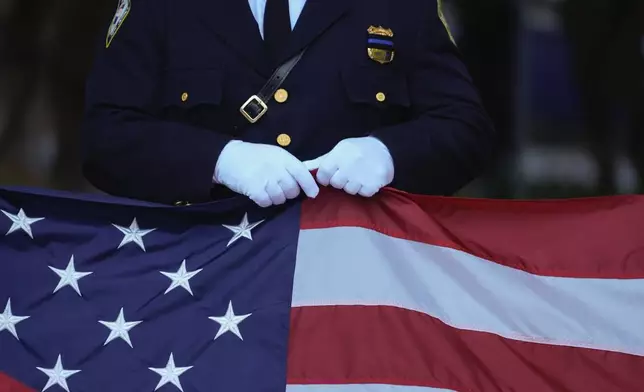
[[277, 27]]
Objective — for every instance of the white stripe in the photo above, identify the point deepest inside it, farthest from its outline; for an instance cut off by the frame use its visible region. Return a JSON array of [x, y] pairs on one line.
[[361, 388], [355, 266]]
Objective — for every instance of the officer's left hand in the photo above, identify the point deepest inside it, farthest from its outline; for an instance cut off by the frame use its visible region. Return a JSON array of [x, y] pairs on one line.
[[358, 166]]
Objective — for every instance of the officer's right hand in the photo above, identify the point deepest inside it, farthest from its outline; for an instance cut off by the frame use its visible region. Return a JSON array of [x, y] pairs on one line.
[[268, 175]]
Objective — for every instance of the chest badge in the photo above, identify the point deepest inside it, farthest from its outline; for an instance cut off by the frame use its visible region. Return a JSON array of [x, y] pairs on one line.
[[122, 10], [380, 44]]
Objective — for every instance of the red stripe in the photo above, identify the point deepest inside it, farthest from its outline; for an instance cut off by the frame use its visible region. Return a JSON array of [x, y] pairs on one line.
[[385, 345], [8, 384], [593, 238]]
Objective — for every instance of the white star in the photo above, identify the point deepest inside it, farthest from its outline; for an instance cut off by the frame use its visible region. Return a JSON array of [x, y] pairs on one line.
[[58, 375], [230, 322], [69, 276], [181, 278], [120, 328], [170, 374], [133, 234], [242, 230], [8, 321], [21, 222]]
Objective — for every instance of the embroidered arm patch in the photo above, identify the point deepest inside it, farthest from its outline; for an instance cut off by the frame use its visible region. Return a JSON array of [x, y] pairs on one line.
[[441, 15], [122, 10]]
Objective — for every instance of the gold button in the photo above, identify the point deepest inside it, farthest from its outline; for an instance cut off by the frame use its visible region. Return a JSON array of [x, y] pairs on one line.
[[381, 97], [281, 95], [283, 140], [184, 97]]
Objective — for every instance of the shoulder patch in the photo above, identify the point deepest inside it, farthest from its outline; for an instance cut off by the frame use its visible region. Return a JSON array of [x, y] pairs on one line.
[[122, 10], [441, 15]]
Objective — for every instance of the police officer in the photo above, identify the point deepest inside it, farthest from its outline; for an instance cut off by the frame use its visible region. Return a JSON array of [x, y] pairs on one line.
[[191, 101]]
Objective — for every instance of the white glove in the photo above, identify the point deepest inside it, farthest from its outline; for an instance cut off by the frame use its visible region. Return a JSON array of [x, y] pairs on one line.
[[357, 165], [268, 175]]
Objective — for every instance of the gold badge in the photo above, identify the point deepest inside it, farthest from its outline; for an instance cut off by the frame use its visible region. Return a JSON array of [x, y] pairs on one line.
[[441, 15], [380, 44]]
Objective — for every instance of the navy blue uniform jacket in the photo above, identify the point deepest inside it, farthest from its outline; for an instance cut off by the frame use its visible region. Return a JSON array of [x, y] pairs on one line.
[[163, 99]]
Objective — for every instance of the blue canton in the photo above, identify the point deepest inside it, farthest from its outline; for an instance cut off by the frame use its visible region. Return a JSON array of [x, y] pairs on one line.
[[104, 294]]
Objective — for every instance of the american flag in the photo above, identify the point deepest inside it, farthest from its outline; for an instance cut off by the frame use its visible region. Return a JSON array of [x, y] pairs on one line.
[[398, 293]]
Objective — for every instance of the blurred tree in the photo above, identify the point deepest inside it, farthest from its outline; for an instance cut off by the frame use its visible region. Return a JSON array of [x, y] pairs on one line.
[[606, 47], [488, 41], [76, 25], [23, 61]]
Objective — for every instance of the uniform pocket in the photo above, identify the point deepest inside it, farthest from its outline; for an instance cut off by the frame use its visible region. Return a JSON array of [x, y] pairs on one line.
[[190, 88], [380, 86]]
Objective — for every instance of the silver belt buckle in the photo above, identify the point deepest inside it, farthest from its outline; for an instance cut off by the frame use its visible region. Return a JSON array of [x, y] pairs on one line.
[[260, 103]]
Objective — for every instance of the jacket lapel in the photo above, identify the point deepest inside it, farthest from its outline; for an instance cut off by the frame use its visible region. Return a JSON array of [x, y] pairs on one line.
[[235, 25], [317, 16]]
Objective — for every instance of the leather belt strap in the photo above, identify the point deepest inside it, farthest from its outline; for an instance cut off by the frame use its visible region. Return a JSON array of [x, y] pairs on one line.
[[257, 105]]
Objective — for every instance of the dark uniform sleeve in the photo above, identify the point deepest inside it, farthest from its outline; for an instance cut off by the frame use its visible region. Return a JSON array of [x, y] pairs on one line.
[[129, 150], [451, 138]]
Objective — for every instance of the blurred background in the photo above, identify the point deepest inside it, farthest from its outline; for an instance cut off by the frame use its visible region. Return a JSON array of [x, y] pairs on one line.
[[562, 79]]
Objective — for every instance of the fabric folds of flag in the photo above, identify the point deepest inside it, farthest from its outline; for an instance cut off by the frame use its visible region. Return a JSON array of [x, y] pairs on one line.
[[398, 293]]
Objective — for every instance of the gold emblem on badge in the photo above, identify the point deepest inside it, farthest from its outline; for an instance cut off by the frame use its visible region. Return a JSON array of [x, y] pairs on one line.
[[381, 56], [379, 30], [380, 44]]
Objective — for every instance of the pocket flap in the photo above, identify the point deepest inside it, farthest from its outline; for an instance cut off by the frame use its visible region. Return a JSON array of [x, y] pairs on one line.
[[383, 86], [193, 87]]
